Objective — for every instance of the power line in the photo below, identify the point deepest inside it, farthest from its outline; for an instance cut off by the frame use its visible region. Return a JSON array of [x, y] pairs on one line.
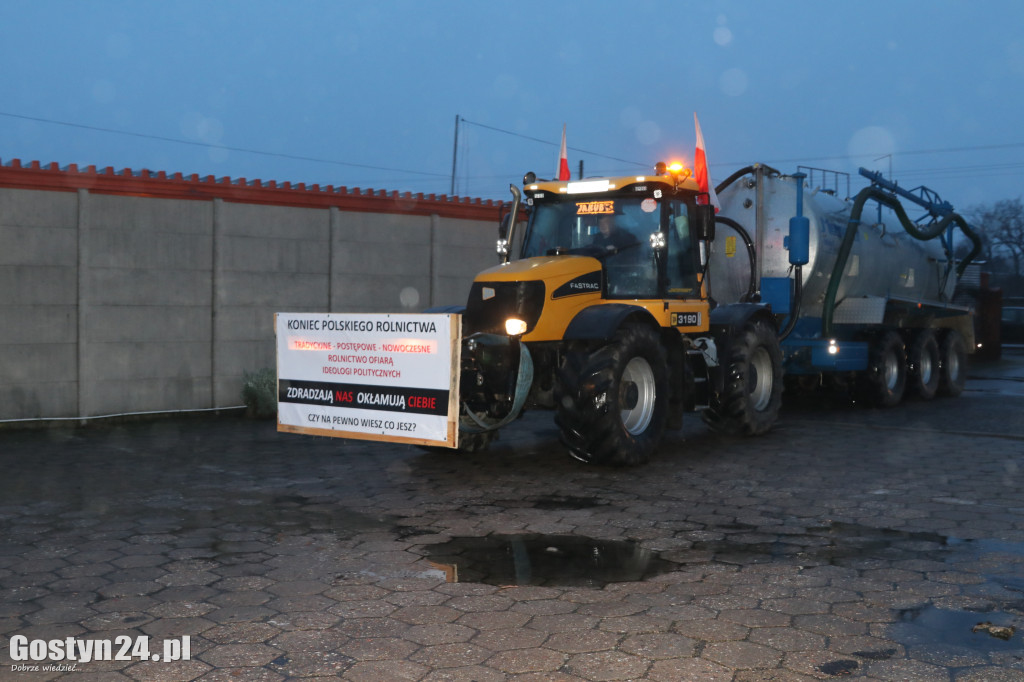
[[217, 146], [553, 144], [980, 170], [914, 152]]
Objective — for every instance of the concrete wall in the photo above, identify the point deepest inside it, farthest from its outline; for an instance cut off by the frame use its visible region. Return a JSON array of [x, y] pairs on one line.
[[38, 304], [113, 303]]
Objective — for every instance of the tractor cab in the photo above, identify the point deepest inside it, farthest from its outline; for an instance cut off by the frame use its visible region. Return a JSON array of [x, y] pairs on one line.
[[642, 230]]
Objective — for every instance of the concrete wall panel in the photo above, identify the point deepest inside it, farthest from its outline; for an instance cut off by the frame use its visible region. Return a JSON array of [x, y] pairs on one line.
[[29, 208], [145, 304], [126, 360], [35, 245], [38, 284], [378, 228], [50, 398], [150, 250], [133, 286], [38, 379], [251, 254], [38, 303], [274, 222], [149, 395], [269, 259], [146, 323], [37, 325], [379, 293], [149, 215], [271, 290], [28, 364]]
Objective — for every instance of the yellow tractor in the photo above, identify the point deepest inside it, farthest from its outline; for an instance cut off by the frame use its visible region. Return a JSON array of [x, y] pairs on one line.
[[604, 316]]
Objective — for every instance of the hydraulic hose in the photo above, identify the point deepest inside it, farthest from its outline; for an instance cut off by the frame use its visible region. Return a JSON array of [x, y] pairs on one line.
[[745, 236], [912, 229], [798, 294], [741, 172]]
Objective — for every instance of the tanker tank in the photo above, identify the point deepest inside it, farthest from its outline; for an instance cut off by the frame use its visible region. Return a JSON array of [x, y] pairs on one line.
[[884, 263]]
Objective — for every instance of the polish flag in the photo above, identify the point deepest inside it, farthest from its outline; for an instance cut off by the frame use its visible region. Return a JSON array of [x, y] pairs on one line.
[[700, 170], [563, 160]]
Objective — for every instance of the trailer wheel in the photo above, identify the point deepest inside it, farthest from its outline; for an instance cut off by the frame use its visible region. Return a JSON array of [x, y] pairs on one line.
[[611, 403], [952, 363], [923, 364], [883, 383], [750, 403]]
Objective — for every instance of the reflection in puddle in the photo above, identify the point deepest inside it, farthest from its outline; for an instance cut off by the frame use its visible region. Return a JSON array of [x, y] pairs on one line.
[[957, 630], [562, 560]]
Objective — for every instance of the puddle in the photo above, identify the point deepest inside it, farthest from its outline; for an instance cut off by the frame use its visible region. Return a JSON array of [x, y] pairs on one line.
[[553, 560], [841, 667], [967, 630], [567, 560]]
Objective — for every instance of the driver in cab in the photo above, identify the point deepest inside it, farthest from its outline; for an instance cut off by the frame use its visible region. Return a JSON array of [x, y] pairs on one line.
[[610, 236]]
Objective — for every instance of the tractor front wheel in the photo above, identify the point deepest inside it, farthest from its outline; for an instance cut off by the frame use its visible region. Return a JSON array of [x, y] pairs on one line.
[[611, 402]]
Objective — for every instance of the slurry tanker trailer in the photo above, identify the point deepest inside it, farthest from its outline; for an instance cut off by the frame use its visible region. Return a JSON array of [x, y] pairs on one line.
[[622, 303], [860, 296]]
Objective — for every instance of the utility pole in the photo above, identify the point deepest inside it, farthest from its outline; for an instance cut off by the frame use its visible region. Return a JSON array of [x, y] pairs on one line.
[[455, 154], [889, 156]]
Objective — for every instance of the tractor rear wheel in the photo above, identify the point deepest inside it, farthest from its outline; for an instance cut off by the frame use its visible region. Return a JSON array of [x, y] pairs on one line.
[[611, 402], [752, 396]]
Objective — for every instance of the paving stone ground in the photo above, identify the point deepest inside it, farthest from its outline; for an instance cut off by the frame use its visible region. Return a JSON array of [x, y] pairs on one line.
[[847, 543]]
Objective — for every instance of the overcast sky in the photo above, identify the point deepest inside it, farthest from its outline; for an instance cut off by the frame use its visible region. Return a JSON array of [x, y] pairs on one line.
[[366, 94]]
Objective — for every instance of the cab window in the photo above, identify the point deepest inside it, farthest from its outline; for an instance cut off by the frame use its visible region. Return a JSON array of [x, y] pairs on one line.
[[681, 260]]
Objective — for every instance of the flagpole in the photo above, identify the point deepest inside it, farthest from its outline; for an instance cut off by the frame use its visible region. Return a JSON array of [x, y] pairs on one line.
[[455, 153]]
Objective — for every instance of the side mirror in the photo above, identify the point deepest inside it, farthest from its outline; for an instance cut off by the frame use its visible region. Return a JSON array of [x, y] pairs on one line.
[[504, 225], [703, 218]]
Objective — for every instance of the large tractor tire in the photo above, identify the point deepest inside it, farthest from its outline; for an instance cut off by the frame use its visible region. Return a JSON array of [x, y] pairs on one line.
[[883, 383], [923, 363], [752, 396], [611, 403], [952, 363]]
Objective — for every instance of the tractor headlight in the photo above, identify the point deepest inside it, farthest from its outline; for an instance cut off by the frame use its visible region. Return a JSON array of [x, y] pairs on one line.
[[515, 327]]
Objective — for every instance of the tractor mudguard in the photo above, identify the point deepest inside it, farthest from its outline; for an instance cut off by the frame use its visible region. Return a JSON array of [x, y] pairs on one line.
[[738, 314], [728, 319], [602, 321]]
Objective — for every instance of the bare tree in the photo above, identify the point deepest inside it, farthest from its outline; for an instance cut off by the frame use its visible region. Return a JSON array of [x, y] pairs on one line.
[[1002, 228]]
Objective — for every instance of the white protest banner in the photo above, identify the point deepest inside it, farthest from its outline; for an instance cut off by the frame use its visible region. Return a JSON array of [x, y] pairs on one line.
[[369, 376]]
